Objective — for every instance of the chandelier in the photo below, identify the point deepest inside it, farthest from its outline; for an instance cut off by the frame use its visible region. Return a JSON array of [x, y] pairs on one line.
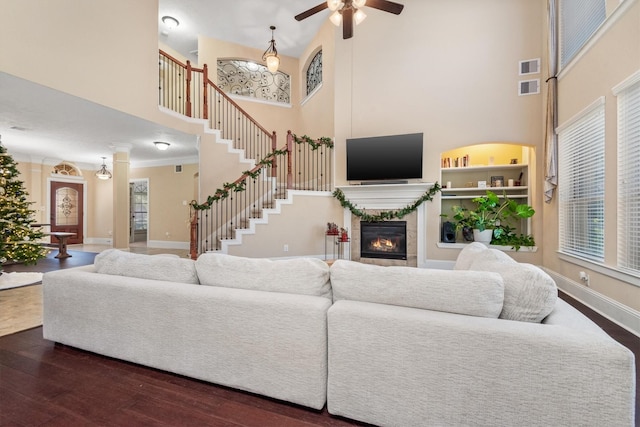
[[103, 173], [271, 54]]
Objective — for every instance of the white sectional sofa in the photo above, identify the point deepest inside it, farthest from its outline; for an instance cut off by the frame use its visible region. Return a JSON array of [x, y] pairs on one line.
[[488, 343], [152, 311]]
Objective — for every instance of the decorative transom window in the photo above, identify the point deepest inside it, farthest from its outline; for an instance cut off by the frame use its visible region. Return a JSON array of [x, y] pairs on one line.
[[581, 183], [68, 169], [246, 78], [579, 20], [628, 177], [314, 72]]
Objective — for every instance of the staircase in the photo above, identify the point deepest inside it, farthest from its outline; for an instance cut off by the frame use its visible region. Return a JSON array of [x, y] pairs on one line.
[[236, 207]]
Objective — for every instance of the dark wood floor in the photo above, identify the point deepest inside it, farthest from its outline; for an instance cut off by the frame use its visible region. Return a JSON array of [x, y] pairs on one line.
[[45, 384]]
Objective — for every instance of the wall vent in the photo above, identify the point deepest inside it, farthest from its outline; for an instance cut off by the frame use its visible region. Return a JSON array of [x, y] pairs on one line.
[[529, 66], [528, 87], [178, 169]]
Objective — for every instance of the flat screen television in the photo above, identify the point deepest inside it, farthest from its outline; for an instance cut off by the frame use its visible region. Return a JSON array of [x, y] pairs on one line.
[[385, 158]]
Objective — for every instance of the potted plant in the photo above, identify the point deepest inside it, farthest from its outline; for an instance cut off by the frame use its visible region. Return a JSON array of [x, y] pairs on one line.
[[492, 219]]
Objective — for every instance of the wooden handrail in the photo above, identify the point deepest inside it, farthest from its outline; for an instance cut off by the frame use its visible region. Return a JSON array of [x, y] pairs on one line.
[[207, 82]]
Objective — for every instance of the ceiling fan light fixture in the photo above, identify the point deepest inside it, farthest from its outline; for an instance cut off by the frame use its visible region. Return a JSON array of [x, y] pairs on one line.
[[271, 54], [336, 18], [334, 5], [103, 173], [359, 16], [160, 145], [359, 3]]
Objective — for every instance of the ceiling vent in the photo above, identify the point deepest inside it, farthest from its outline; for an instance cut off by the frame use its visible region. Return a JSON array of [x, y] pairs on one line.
[[178, 169], [528, 87]]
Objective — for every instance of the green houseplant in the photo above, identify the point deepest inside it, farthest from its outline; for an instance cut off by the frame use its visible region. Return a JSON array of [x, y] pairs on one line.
[[497, 215]]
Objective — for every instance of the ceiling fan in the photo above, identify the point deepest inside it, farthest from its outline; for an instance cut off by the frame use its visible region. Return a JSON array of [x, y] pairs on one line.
[[348, 11]]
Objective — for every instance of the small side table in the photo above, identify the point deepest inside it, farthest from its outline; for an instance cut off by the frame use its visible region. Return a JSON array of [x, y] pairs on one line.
[[335, 247], [62, 243]]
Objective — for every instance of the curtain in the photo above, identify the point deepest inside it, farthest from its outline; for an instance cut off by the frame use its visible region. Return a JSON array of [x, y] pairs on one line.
[[550, 138]]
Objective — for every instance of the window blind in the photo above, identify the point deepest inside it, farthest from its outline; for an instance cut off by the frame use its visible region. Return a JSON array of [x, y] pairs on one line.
[[581, 185], [629, 178], [579, 19]]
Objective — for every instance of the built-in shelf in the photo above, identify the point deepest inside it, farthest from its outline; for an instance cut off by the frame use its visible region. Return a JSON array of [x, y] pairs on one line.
[[499, 247], [483, 168], [462, 186]]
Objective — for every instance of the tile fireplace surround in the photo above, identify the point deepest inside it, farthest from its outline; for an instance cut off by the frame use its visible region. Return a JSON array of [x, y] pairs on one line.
[[384, 197]]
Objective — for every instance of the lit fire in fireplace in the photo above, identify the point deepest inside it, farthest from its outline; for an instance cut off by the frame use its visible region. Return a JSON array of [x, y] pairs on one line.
[[384, 245]]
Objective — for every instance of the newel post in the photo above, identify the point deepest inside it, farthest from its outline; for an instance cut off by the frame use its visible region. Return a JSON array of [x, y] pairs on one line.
[[193, 235], [289, 148], [188, 88], [205, 92]]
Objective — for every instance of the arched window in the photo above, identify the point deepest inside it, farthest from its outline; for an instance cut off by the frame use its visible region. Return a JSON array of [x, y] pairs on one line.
[[246, 78], [65, 168], [314, 72]]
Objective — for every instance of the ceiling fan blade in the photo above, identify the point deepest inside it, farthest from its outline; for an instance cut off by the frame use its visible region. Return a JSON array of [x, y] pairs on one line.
[[386, 5], [307, 13], [347, 23]]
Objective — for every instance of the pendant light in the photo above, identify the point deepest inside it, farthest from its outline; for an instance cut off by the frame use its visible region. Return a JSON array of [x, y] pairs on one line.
[[103, 173], [271, 54]]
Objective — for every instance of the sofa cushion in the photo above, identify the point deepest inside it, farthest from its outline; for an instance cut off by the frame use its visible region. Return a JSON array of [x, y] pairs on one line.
[[468, 255], [169, 268], [529, 293], [462, 292], [304, 276]]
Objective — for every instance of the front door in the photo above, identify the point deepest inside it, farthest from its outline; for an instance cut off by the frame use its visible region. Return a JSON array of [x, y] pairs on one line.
[[67, 210]]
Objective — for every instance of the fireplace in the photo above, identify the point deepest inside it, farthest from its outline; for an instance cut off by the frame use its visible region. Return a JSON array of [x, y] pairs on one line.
[[387, 239]]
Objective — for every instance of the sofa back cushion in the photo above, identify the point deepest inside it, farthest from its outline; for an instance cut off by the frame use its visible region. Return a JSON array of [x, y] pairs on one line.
[[461, 292], [530, 294], [305, 276], [155, 267]]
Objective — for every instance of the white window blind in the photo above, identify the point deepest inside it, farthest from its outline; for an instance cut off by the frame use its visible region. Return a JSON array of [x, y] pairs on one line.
[[629, 178], [581, 184], [579, 19]]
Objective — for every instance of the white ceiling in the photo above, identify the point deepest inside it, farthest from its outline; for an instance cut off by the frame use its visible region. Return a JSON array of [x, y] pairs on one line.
[[44, 125]]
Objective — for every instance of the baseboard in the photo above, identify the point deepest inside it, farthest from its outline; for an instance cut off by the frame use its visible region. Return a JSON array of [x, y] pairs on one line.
[[618, 313], [97, 241], [165, 244]]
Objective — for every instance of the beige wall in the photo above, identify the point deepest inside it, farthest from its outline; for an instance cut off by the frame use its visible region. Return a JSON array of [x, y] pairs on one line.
[[300, 226], [447, 69], [102, 50], [169, 197], [316, 114], [613, 58]]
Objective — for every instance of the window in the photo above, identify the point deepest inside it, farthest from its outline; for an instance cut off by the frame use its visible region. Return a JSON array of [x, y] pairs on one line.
[[581, 183], [314, 72], [629, 175], [579, 20], [246, 78]]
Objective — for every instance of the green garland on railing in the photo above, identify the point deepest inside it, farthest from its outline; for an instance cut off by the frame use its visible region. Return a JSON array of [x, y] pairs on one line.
[[314, 145], [229, 187], [235, 187], [385, 215]]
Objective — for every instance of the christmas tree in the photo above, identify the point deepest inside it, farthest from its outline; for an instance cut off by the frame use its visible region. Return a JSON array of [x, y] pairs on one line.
[[18, 239]]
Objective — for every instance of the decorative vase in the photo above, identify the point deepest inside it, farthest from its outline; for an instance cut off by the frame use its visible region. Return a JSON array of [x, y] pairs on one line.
[[467, 234], [483, 237]]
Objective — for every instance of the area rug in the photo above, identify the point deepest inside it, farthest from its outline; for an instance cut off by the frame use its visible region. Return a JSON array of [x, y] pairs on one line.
[[15, 280]]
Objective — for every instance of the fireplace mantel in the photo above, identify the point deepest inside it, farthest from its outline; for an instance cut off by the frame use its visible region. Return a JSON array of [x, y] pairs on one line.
[[385, 196], [391, 197]]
